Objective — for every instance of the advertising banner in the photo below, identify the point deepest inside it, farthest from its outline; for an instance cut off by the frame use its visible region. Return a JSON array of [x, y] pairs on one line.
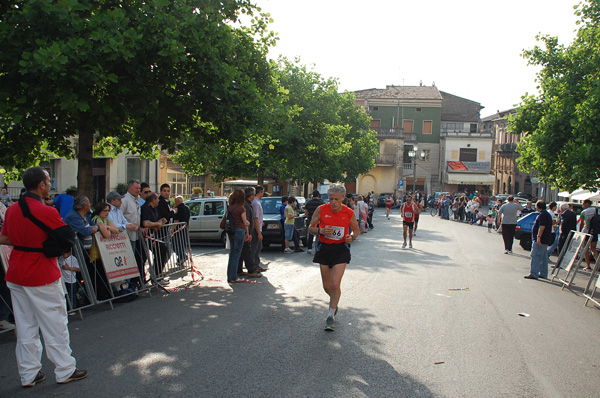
[[117, 256]]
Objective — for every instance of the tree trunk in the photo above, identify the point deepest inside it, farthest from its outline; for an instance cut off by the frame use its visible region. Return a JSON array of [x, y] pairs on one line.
[[85, 160], [260, 177]]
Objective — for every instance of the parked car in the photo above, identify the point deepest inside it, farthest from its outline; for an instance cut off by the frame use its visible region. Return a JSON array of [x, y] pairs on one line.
[[205, 219], [524, 228], [273, 232], [382, 197]]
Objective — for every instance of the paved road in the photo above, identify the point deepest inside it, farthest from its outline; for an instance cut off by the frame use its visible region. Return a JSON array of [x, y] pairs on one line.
[[403, 329]]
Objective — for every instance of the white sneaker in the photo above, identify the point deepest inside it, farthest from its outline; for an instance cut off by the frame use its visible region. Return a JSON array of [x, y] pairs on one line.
[[410, 245], [309, 251], [505, 251], [6, 325], [510, 252], [414, 234], [404, 245], [288, 250]]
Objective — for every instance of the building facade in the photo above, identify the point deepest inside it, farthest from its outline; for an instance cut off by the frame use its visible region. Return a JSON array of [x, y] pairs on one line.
[[508, 178], [466, 150], [403, 117]]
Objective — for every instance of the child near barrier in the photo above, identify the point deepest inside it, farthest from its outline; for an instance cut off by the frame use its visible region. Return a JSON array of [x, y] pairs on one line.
[[68, 267]]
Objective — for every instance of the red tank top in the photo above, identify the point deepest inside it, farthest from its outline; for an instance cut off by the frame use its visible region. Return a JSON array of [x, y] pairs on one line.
[[340, 221], [408, 212]]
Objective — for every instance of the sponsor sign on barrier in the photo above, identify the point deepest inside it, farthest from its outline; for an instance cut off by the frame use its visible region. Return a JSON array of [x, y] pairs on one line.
[[117, 257]]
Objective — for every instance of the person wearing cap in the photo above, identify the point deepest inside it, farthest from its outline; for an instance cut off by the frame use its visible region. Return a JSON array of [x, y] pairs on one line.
[[116, 215]]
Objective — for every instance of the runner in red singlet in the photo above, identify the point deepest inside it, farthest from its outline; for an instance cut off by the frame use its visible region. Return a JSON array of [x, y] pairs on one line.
[[331, 222], [409, 212]]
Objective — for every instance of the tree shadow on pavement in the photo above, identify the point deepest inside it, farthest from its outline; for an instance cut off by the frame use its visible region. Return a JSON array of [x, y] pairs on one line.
[[219, 341]]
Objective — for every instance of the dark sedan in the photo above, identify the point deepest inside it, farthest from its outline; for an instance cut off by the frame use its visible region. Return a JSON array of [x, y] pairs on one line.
[[273, 225]]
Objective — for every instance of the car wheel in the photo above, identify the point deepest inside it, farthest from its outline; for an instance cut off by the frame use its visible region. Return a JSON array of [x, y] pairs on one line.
[[224, 238], [525, 243]]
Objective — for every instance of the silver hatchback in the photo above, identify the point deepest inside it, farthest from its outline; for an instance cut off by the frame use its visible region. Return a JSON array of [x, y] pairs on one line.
[[205, 219]]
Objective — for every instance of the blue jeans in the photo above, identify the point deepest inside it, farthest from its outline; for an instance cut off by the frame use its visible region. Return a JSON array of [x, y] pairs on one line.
[[236, 243], [539, 260], [555, 244]]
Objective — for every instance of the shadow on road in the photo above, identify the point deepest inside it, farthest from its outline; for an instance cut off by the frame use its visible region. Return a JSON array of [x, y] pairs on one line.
[[215, 341]]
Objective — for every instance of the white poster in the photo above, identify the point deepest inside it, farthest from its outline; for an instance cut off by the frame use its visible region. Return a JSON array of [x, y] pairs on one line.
[[117, 256]]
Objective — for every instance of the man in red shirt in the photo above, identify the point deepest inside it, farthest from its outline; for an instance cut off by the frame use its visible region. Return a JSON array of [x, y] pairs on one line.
[[333, 249], [409, 212], [36, 289]]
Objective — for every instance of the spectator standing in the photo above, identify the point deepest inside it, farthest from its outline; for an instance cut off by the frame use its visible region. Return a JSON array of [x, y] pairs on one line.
[[290, 215], [64, 202], [164, 203], [130, 207], [541, 238], [586, 215], [568, 223], [144, 191], [309, 209], [256, 244], [371, 210], [79, 219], [236, 240], [245, 256], [182, 214], [5, 198], [552, 207], [68, 267], [509, 212], [151, 219], [36, 289]]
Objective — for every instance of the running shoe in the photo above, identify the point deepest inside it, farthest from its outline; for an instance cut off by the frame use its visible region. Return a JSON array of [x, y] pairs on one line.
[[414, 234], [510, 252], [288, 250], [329, 324], [410, 245], [309, 251], [404, 245]]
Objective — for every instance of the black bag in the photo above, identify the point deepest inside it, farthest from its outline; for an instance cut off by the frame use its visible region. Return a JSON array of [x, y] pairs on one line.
[[229, 224], [61, 239]]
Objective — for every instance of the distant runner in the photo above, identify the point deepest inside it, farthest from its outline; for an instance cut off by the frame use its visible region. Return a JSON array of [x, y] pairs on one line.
[[389, 202], [409, 212]]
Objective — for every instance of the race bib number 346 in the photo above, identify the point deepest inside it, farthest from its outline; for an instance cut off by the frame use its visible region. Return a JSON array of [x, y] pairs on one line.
[[337, 234]]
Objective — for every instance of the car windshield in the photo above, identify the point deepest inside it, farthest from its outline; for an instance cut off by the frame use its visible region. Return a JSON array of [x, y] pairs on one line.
[[271, 205]]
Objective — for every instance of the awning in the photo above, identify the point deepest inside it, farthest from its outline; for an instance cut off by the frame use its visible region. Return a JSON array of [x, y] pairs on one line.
[[470, 179], [564, 194], [246, 182], [586, 195]]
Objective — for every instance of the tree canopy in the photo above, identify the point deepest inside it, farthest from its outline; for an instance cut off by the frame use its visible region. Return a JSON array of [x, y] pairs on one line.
[[127, 75], [311, 132], [560, 124]]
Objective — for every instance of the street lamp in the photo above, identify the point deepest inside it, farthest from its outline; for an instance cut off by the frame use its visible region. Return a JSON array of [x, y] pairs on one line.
[[413, 155]]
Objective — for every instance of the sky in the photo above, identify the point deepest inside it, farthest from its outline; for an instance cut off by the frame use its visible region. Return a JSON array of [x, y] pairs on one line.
[[469, 48]]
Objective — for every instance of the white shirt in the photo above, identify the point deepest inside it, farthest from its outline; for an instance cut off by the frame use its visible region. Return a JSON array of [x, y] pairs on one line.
[[131, 210], [116, 216]]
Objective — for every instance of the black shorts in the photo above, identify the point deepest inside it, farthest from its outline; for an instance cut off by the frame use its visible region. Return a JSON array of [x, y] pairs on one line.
[[331, 254], [416, 220], [410, 224]]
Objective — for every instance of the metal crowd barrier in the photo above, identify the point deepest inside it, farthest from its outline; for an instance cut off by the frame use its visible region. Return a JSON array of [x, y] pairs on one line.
[[168, 250], [158, 254]]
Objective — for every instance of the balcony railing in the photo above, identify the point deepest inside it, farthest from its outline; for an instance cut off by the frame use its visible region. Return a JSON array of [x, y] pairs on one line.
[[511, 147], [466, 134], [391, 132]]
